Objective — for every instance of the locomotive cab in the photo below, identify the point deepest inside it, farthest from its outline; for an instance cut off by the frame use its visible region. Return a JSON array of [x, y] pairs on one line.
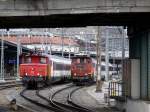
[[33, 69], [40, 69], [82, 68]]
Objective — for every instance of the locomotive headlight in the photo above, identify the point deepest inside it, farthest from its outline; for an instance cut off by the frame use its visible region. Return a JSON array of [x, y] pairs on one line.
[[86, 74], [75, 74], [26, 74], [38, 74]]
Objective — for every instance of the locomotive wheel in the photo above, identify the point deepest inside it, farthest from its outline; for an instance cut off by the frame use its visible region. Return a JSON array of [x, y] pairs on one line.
[[47, 82]]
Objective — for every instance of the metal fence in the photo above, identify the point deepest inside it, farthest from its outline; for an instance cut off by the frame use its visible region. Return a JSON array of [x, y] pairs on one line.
[[117, 90]]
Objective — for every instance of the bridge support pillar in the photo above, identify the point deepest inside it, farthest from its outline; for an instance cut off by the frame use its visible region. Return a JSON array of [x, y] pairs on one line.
[[139, 48], [139, 53]]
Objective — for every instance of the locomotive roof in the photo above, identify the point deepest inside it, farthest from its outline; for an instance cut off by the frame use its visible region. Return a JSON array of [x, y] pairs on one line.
[[81, 56], [58, 59], [34, 54], [54, 58]]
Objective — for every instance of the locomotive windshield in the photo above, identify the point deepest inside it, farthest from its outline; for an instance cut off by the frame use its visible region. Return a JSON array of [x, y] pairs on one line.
[[81, 60], [34, 59], [43, 60], [28, 60]]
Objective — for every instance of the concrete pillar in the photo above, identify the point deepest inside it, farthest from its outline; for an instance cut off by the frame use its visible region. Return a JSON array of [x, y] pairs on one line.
[[144, 66], [135, 78], [138, 49], [148, 67]]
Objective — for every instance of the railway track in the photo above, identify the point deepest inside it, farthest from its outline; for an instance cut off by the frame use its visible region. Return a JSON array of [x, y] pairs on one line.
[[71, 102], [9, 85], [36, 102], [60, 105], [67, 105]]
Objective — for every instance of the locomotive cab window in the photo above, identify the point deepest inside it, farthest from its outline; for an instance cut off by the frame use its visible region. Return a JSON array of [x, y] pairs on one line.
[[28, 60], [73, 60], [43, 60], [88, 61], [78, 60], [85, 60]]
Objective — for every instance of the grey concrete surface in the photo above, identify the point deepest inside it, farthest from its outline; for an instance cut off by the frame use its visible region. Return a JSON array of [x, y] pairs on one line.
[[48, 7], [87, 100], [5, 103], [72, 13]]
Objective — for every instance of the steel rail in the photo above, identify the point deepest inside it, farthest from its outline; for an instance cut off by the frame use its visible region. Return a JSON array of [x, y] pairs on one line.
[[53, 103], [64, 107], [46, 99], [39, 104], [79, 107], [9, 82], [2, 87], [73, 107]]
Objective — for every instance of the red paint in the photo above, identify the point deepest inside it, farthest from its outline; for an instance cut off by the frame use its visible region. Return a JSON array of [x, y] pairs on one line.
[[32, 66], [33, 69], [80, 69]]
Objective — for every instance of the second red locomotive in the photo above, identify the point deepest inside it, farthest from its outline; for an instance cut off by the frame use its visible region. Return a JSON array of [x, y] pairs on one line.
[[82, 68]]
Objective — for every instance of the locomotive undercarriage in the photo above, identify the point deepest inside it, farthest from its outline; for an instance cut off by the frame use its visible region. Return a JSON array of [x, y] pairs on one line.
[[33, 82], [83, 79]]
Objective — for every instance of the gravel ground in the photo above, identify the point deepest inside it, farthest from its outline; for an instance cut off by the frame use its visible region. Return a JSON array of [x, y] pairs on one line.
[[46, 92], [82, 97], [62, 96], [32, 95], [49, 91], [5, 104]]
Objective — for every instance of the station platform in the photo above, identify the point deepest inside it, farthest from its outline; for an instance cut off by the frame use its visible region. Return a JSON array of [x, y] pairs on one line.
[[99, 96], [105, 104], [9, 81]]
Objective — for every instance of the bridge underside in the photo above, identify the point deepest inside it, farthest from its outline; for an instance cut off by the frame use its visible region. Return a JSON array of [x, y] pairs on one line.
[[76, 20]]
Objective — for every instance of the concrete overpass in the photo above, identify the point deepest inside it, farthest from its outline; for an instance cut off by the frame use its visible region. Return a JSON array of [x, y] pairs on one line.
[[71, 13], [66, 13]]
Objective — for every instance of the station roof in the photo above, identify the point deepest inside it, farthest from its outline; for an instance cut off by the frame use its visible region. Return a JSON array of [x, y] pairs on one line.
[[25, 40], [11, 48]]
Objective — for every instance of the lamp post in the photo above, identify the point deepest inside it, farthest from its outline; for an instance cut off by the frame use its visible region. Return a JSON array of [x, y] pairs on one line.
[[2, 58], [123, 50], [62, 40], [106, 54], [18, 54], [98, 57], [69, 47], [46, 47], [50, 40]]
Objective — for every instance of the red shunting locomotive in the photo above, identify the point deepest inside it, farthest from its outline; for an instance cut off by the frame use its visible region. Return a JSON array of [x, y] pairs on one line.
[[42, 68], [82, 69]]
